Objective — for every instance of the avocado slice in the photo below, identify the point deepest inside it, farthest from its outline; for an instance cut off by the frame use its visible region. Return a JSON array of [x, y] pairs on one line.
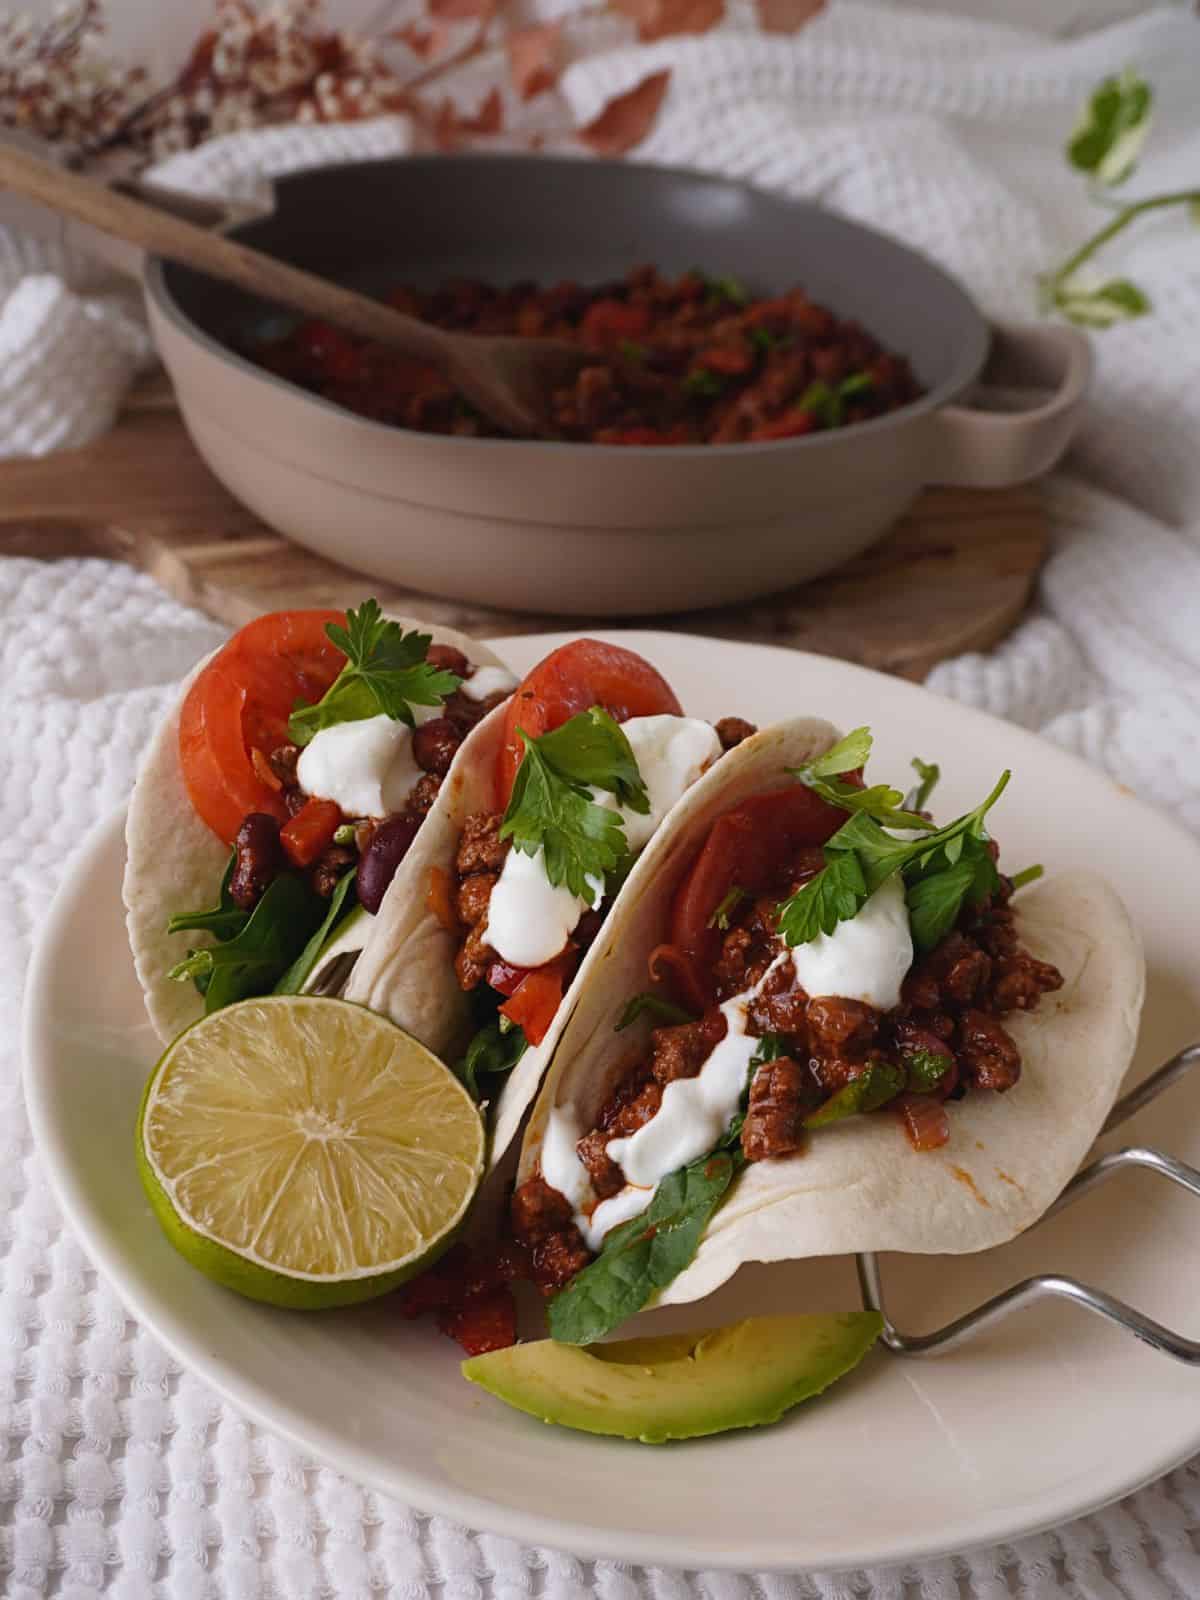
[[679, 1385]]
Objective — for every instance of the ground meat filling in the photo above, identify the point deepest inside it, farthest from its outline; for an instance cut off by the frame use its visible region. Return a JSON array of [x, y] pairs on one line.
[[259, 857], [477, 864], [951, 1008]]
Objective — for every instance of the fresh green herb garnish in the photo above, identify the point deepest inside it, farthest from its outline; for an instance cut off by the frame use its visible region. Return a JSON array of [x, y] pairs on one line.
[[646, 1253], [880, 1082], [828, 403], [861, 857], [881, 801], [770, 1047], [928, 773], [936, 897], [720, 917], [665, 1012], [924, 1070], [703, 384], [763, 340], [386, 672], [341, 903], [726, 290], [1105, 147], [552, 809], [493, 1050], [258, 955], [224, 921], [1028, 875]]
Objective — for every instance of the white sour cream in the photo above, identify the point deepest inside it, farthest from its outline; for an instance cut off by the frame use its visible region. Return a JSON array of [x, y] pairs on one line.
[[367, 767], [488, 680], [865, 958], [529, 919]]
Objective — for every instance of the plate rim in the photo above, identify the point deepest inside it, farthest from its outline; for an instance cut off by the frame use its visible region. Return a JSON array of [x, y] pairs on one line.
[[587, 1542]]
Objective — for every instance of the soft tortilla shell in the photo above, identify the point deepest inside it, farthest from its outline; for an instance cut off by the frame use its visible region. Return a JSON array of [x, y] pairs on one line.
[[859, 1185], [174, 863]]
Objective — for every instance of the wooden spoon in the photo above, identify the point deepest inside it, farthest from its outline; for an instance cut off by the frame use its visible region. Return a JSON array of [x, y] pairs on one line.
[[510, 380]]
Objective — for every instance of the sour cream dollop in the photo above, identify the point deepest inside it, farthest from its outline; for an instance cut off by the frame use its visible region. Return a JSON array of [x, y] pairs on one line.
[[530, 919], [367, 767], [487, 680], [865, 958]]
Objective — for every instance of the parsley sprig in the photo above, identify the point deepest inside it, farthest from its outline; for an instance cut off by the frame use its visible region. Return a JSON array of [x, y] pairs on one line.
[[386, 672], [824, 777], [552, 808], [941, 869]]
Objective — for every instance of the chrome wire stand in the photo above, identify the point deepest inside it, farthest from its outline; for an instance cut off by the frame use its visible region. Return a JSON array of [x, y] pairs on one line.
[[1052, 1285]]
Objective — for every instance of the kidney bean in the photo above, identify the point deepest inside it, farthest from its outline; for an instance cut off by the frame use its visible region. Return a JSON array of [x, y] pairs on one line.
[[259, 860], [448, 659], [377, 866]]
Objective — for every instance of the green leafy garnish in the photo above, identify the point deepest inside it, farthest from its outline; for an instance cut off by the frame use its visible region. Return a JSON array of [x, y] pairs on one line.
[[924, 1070], [386, 672], [224, 920], [880, 1082], [882, 802], [928, 773], [726, 290], [861, 857], [493, 1050], [1027, 875], [645, 1254], [665, 1012], [770, 1047], [1112, 128], [720, 917], [1105, 146], [763, 340], [552, 809], [341, 903], [703, 384], [936, 896], [259, 954], [828, 403]]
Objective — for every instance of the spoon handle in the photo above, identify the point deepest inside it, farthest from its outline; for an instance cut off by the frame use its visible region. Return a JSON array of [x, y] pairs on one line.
[[178, 240]]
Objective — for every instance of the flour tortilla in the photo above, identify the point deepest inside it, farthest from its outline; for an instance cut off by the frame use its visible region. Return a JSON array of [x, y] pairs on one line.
[[407, 968], [859, 1185], [174, 862]]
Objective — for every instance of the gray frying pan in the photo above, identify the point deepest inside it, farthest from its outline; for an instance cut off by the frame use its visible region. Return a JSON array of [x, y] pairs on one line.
[[590, 528]]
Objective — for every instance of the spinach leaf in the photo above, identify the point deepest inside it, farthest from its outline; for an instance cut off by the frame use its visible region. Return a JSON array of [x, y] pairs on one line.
[[341, 903], [646, 1253], [254, 960], [881, 1082], [657, 1006], [223, 921], [492, 1051]]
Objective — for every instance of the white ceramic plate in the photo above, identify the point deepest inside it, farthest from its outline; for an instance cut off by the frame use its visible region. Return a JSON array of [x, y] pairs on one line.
[[1051, 1415]]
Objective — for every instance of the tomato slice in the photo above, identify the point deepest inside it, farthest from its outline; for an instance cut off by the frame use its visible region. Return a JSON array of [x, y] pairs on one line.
[[536, 999], [744, 848], [241, 702], [572, 679]]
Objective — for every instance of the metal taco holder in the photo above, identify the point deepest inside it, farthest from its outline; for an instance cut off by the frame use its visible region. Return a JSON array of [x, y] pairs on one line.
[[1052, 1285]]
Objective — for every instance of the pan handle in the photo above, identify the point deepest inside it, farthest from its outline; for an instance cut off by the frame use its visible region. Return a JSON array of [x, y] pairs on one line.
[[1023, 414]]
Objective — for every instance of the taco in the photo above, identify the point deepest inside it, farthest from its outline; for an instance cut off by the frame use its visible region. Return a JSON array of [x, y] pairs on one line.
[[861, 1036], [483, 940], [279, 795]]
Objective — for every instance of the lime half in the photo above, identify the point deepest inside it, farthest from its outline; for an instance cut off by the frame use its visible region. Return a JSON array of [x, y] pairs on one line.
[[307, 1152]]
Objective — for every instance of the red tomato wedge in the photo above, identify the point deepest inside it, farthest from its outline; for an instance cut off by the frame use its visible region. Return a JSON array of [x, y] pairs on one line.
[[572, 679], [744, 847], [537, 997], [241, 702]]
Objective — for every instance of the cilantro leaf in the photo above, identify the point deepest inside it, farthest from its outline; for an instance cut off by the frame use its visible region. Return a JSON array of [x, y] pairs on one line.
[[552, 809], [665, 1012], [847, 755], [254, 960], [928, 773], [592, 749], [861, 857], [720, 917], [823, 777], [924, 1070], [882, 1081], [644, 1254], [386, 672]]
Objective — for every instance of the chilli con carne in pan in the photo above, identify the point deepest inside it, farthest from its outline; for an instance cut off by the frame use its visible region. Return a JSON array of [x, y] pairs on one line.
[[689, 360]]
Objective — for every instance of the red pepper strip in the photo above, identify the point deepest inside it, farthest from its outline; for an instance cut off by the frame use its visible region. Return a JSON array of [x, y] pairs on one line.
[[310, 831], [536, 999]]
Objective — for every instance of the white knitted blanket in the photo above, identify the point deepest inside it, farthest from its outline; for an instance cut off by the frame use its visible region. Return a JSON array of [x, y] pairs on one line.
[[124, 1475]]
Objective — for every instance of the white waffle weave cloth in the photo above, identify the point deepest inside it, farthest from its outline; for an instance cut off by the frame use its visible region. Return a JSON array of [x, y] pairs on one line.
[[124, 1476]]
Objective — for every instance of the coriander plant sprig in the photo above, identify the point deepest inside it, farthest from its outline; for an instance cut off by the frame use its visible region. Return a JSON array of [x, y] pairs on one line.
[[1105, 146]]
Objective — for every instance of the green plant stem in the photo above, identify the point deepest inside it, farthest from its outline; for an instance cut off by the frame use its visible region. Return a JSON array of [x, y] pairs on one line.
[[1118, 224]]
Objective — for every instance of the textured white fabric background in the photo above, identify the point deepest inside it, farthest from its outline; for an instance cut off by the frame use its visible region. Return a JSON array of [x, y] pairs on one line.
[[120, 1473]]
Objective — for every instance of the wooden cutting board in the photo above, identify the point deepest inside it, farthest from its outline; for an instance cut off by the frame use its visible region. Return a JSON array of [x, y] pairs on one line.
[[954, 575]]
